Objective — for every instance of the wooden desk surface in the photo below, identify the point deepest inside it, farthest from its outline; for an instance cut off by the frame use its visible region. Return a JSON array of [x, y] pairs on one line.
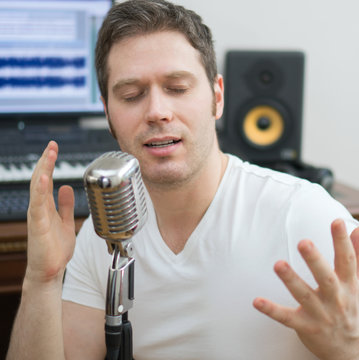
[[348, 196], [13, 241], [13, 237]]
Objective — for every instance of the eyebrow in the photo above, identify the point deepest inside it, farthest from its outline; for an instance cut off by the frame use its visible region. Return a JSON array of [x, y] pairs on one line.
[[120, 84], [180, 74], [172, 75]]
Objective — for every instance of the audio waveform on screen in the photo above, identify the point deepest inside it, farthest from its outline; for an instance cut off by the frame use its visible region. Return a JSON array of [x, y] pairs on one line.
[[48, 81], [40, 62], [41, 72]]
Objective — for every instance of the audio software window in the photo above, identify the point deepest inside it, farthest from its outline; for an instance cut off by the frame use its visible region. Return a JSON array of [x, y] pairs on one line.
[[46, 55]]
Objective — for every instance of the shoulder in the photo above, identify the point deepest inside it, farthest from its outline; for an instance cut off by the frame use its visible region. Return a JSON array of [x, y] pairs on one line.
[[249, 171], [256, 183], [270, 192]]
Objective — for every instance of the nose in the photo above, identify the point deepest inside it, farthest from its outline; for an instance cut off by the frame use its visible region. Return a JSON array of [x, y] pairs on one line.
[[158, 106]]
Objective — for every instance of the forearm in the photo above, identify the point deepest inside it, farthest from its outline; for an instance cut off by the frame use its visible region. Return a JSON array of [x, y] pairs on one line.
[[37, 332]]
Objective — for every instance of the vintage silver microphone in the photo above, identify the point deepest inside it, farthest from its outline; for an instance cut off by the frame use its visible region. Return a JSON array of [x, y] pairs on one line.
[[115, 194], [116, 197]]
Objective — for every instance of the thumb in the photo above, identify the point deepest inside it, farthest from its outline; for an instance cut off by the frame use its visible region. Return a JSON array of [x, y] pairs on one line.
[[354, 236], [66, 201]]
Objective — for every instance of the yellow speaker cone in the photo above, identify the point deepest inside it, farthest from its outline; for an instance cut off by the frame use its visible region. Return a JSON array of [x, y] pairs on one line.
[[263, 125]]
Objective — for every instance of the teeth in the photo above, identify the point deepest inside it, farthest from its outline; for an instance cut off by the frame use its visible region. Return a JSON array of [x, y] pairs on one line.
[[162, 143]]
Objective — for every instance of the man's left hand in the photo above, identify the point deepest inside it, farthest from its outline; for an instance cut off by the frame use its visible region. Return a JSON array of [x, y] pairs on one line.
[[327, 319]]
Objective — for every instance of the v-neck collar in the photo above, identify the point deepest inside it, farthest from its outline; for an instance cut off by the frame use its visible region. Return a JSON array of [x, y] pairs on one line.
[[198, 232]]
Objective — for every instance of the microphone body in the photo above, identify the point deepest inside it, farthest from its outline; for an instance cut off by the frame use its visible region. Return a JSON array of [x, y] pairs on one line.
[[116, 199], [115, 194]]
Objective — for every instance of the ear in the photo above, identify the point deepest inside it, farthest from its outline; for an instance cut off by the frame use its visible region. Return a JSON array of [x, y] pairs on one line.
[[104, 106], [107, 117], [219, 96]]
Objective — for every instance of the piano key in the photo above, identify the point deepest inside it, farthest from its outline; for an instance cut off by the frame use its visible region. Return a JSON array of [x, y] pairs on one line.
[[23, 171], [67, 171]]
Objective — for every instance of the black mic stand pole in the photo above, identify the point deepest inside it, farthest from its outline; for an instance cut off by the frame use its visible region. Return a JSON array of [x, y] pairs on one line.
[[119, 299]]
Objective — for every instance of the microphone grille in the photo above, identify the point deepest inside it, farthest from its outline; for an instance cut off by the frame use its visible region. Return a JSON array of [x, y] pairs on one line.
[[115, 194]]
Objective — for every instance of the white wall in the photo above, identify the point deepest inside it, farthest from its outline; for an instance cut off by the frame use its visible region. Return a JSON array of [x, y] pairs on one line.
[[328, 32]]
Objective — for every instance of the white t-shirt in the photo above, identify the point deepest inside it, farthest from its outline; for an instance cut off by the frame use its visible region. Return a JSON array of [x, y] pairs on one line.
[[198, 304]]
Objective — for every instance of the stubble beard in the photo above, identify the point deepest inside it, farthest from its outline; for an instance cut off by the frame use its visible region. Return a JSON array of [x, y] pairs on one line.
[[173, 176]]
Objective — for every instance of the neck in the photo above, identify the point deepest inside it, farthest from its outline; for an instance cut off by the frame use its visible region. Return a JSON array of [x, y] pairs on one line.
[[180, 209]]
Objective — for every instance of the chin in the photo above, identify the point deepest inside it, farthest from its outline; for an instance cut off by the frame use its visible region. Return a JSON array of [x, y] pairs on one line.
[[166, 177]]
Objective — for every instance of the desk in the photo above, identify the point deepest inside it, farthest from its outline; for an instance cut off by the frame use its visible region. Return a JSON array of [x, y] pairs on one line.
[[348, 196], [13, 261], [13, 237], [13, 255]]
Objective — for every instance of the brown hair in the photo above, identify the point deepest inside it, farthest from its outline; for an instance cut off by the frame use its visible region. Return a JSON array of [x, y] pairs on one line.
[[135, 17]]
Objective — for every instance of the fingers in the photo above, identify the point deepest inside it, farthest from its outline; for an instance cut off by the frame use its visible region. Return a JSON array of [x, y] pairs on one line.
[[355, 241], [320, 307], [345, 260], [310, 300], [319, 267], [282, 314], [66, 203], [46, 163], [300, 290], [44, 169], [345, 257], [41, 182]]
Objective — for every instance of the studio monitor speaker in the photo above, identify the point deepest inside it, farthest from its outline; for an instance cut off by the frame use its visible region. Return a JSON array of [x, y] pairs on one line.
[[263, 105]]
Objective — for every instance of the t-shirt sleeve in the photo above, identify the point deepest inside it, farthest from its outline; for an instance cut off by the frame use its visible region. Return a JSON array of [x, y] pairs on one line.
[[86, 273]]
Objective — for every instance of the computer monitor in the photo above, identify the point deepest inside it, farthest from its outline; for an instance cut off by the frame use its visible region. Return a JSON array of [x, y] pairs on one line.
[[47, 58]]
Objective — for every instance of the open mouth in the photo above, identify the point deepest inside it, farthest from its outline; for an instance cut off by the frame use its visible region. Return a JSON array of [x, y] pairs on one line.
[[159, 144]]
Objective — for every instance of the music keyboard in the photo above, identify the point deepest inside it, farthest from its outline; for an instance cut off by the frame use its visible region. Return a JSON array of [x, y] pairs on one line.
[[14, 200], [15, 176], [68, 166], [19, 153]]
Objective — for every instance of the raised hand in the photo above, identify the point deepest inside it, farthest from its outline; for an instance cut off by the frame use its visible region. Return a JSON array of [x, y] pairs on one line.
[[51, 233], [327, 319]]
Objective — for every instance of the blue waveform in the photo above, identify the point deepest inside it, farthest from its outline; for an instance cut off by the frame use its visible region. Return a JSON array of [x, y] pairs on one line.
[[41, 62], [45, 81]]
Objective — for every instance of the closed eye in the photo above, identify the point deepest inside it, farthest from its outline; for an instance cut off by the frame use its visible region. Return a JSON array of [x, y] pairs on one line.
[[177, 90], [133, 98]]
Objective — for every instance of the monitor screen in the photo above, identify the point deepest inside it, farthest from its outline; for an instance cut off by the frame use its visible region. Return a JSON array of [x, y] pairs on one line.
[[47, 56]]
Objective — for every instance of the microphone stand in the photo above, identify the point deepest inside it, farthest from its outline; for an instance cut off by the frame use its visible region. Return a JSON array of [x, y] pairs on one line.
[[119, 299]]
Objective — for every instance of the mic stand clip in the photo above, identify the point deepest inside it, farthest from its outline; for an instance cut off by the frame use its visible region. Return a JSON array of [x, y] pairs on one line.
[[119, 299]]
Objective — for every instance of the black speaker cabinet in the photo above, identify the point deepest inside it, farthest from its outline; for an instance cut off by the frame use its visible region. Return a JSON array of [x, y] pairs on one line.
[[263, 105]]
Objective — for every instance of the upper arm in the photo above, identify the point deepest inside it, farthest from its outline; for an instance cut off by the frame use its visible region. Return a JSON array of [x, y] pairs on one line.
[[84, 334]]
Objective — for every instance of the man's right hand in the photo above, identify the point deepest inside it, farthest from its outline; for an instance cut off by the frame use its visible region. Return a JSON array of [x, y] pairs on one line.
[[51, 233], [38, 328]]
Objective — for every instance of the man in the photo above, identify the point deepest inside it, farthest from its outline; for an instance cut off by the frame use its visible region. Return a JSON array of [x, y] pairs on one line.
[[215, 227]]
